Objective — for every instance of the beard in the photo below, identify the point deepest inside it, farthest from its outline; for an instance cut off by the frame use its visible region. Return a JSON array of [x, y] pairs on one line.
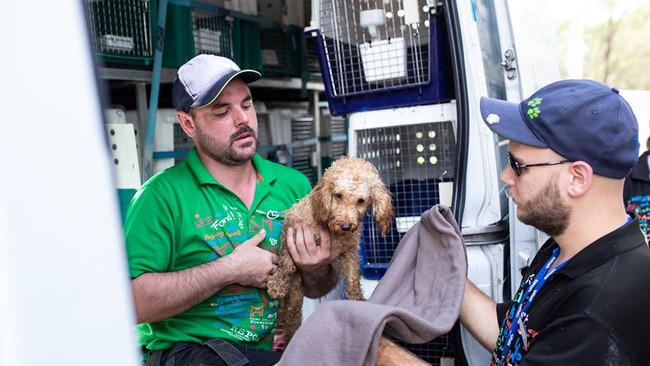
[[545, 211], [226, 153]]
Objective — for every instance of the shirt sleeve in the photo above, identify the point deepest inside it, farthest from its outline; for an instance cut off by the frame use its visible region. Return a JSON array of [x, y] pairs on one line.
[[148, 233]]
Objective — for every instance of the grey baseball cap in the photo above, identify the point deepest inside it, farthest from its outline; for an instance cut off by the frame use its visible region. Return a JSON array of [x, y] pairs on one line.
[[201, 80]]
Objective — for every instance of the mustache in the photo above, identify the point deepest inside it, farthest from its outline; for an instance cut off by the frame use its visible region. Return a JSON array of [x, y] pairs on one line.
[[242, 131]]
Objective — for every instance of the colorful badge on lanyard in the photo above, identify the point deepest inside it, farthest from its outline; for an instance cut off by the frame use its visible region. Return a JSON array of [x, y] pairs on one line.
[[513, 336]]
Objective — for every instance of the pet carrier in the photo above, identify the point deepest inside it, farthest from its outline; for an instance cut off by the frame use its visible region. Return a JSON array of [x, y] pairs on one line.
[[196, 29], [379, 54], [213, 32], [417, 163], [282, 50], [121, 30]]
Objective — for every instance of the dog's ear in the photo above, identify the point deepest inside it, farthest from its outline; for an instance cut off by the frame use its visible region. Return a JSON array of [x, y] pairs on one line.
[[321, 201], [382, 207]]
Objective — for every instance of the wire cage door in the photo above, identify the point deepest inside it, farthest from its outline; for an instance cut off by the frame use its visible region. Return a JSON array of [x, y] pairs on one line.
[[417, 163], [378, 54]]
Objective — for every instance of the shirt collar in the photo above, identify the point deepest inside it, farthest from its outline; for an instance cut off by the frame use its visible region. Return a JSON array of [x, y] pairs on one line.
[[623, 239], [265, 172]]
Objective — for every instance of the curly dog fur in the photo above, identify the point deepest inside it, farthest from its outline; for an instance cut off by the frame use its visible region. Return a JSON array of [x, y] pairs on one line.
[[338, 203]]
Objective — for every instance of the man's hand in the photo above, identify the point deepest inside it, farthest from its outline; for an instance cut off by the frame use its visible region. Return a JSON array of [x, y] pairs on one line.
[[313, 258], [159, 296], [252, 265]]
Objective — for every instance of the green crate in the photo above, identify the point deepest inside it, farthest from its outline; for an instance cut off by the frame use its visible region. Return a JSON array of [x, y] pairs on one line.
[[122, 31], [213, 33], [283, 51], [187, 28], [247, 44], [178, 46]]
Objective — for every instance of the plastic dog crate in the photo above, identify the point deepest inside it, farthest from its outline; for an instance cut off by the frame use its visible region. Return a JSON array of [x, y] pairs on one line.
[[379, 54], [282, 51], [417, 164], [122, 30], [213, 32], [201, 28]]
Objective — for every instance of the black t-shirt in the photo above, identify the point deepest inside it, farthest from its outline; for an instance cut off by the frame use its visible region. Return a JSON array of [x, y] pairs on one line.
[[594, 310]]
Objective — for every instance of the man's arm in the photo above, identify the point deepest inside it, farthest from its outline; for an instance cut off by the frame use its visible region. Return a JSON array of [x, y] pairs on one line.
[[158, 296], [316, 261], [478, 314]]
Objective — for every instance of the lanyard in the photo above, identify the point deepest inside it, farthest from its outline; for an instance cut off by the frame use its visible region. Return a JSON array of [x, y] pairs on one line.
[[519, 310]]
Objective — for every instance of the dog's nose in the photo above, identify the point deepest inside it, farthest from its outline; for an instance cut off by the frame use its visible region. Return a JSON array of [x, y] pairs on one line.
[[346, 227]]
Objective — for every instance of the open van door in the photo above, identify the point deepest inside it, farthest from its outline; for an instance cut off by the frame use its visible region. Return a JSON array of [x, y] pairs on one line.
[[518, 56], [63, 275]]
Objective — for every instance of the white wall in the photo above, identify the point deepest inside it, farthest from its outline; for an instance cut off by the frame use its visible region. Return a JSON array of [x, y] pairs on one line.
[[640, 102]]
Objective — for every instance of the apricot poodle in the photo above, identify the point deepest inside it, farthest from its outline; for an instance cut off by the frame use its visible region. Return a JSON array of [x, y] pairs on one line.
[[338, 203]]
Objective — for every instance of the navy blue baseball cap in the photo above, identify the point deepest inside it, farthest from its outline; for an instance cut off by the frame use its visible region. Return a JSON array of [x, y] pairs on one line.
[[582, 120], [200, 80]]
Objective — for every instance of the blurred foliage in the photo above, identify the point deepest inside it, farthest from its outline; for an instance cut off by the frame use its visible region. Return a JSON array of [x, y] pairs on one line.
[[615, 51]]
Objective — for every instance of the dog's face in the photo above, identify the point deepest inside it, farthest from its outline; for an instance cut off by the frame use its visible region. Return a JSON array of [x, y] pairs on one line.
[[349, 201], [346, 191]]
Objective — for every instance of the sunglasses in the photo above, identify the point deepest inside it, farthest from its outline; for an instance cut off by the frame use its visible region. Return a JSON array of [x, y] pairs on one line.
[[517, 167]]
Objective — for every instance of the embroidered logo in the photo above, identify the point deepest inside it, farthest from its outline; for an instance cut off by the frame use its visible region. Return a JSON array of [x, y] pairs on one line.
[[492, 118], [533, 112]]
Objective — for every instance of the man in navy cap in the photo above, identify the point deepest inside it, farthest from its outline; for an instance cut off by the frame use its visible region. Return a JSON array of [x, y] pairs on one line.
[[203, 236], [583, 299]]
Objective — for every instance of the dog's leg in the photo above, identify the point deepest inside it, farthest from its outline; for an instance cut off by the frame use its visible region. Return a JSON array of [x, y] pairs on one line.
[[350, 266], [278, 285], [293, 307]]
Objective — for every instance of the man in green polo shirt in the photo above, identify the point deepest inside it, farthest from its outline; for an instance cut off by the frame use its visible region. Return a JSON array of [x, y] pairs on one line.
[[203, 236]]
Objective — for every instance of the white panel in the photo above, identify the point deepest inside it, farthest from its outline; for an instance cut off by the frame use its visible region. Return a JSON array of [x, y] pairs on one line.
[[164, 137], [64, 282], [123, 145], [482, 202]]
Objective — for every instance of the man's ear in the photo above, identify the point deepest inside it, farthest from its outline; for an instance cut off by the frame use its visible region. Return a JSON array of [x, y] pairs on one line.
[[187, 123], [582, 176]]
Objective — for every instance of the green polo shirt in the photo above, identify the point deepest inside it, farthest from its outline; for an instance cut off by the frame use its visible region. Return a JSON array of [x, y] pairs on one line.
[[183, 217]]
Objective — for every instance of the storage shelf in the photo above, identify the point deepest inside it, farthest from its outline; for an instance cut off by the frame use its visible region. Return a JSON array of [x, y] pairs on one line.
[[168, 75]]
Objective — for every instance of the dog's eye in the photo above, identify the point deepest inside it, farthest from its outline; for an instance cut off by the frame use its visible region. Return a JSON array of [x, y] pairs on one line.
[[361, 201], [338, 195]]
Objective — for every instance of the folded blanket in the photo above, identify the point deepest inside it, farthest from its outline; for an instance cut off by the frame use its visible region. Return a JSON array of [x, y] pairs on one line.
[[417, 300]]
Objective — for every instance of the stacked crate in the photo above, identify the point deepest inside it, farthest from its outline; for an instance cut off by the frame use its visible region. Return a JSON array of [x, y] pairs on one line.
[[122, 30]]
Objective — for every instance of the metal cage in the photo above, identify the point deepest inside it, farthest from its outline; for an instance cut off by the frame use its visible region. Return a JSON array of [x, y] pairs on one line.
[[379, 54], [213, 32], [416, 162], [121, 30]]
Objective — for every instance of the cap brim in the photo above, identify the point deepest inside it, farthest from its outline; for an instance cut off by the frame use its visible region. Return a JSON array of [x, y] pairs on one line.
[[505, 119], [247, 75]]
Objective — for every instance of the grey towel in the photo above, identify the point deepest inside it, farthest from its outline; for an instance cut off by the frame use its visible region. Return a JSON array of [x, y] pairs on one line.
[[417, 300]]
